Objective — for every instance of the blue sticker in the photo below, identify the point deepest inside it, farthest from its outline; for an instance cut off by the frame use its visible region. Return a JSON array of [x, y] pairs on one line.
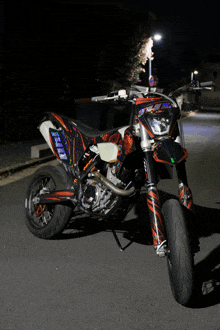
[[59, 145], [148, 109], [141, 112]]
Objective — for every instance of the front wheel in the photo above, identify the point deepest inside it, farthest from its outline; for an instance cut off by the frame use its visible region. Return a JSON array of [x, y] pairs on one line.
[[49, 220], [179, 258]]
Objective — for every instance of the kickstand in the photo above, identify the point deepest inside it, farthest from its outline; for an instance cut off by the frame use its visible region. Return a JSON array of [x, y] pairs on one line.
[[118, 242]]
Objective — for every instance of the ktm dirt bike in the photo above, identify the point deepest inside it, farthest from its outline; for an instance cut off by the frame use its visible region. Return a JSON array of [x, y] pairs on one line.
[[103, 172]]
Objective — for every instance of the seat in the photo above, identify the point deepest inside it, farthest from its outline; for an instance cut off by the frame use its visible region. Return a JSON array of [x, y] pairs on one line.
[[94, 118], [89, 131]]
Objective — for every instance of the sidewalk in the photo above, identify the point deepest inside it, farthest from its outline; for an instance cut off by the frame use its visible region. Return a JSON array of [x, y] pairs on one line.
[[17, 156]]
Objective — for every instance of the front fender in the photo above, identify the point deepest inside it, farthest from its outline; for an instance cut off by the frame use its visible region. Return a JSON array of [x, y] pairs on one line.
[[169, 152]]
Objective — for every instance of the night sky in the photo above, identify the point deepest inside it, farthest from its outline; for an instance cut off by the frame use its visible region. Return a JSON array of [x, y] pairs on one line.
[[188, 32], [56, 51]]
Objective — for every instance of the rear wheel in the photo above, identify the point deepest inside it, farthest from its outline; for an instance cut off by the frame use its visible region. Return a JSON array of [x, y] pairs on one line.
[[180, 258], [49, 220]]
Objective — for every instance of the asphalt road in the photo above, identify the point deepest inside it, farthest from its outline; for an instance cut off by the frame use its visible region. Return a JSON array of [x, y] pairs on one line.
[[84, 282]]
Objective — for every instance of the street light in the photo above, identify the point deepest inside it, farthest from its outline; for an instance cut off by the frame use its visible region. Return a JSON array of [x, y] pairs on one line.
[[156, 37], [194, 72]]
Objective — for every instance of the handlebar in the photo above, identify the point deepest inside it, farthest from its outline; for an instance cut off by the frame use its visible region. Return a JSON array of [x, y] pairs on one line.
[[188, 88], [134, 92], [104, 98]]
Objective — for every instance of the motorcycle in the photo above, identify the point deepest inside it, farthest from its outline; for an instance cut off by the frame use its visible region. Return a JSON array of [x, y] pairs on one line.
[[104, 173]]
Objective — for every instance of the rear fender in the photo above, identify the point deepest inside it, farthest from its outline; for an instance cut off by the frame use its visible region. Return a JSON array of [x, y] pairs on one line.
[[55, 141], [45, 131]]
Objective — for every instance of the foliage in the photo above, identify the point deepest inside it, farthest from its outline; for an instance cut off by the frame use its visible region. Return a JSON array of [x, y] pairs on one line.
[[143, 54]]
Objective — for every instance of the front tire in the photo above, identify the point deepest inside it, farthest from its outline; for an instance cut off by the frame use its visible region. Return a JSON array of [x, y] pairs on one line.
[[180, 258], [47, 221]]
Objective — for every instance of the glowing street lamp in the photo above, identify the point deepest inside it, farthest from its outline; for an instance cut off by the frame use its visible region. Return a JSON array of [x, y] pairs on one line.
[[194, 72], [144, 54], [156, 37]]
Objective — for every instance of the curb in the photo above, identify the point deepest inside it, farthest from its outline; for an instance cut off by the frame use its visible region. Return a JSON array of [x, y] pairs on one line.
[[19, 167]]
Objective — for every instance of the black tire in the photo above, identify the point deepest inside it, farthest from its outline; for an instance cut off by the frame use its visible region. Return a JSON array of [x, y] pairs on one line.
[[51, 218], [180, 258]]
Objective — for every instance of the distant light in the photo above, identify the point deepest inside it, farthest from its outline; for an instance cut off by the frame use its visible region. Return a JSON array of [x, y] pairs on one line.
[[157, 37], [195, 72]]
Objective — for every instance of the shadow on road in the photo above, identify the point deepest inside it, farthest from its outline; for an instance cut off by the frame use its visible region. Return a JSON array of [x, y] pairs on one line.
[[208, 221], [137, 230], [207, 271], [208, 280]]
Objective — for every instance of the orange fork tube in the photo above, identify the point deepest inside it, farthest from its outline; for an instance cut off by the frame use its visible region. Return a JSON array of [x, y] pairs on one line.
[[185, 194], [155, 215], [153, 200]]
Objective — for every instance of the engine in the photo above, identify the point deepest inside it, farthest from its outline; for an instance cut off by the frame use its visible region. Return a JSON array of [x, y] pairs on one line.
[[97, 198]]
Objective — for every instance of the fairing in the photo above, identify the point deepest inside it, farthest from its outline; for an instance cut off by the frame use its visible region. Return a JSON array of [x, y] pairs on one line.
[[159, 108], [160, 119], [169, 152]]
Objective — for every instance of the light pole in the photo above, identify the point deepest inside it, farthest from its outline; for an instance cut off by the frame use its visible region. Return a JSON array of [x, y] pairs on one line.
[[194, 72], [156, 37]]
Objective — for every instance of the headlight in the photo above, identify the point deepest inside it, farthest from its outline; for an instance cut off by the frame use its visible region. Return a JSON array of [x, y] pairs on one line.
[[159, 124]]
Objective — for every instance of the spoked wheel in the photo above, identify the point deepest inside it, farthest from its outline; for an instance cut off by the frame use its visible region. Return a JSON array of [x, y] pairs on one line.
[[49, 220], [179, 258]]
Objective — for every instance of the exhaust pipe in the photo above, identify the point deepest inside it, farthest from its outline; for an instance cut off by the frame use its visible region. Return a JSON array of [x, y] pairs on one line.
[[111, 186]]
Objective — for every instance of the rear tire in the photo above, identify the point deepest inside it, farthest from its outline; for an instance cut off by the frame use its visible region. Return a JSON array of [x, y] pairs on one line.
[[180, 258], [47, 221]]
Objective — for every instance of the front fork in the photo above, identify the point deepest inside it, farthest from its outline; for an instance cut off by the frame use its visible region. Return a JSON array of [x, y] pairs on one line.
[[153, 200], [185, 194], [153, 203]]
